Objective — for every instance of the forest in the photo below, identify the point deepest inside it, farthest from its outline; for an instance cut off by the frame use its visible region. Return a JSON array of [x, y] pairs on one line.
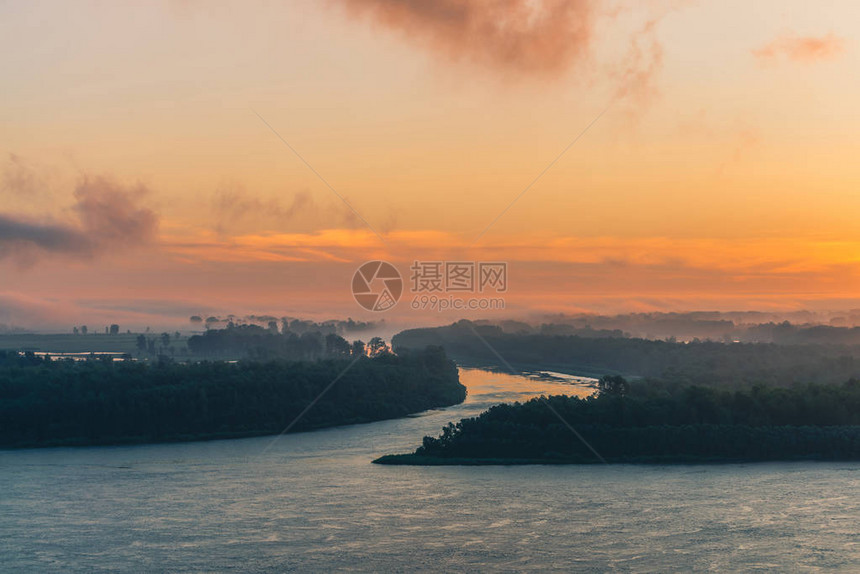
[[47, 402], [692, 363], [794, 327], [255, 342], [656, 422]]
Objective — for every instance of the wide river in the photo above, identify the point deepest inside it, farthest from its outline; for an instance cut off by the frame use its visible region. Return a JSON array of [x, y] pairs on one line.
[[313, 502]]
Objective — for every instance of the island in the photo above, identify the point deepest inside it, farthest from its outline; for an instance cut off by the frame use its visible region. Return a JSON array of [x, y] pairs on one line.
[[649, 421]]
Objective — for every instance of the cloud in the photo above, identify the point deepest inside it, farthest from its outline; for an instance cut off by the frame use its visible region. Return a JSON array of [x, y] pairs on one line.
[[20, 177], [110, 214], [762, 258], [805, 49], [526, 36], [549, 272], [106, 216], [643, 61], [536, 38], [236, 210], [44, 235], [232, 207]]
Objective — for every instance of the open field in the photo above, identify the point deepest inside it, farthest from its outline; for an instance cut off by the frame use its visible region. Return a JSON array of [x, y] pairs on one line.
[[95, 343]]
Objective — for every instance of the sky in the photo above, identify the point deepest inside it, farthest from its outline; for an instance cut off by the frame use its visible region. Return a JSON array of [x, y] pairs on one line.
[[163, 159]]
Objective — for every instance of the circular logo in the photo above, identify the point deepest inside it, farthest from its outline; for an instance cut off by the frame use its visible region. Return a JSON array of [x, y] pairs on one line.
[[377, 286]]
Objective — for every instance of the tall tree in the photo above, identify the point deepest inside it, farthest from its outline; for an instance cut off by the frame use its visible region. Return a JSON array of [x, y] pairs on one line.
[[378, 346]]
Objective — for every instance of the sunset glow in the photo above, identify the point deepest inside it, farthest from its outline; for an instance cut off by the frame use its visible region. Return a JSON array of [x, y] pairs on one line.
[[140, 184]]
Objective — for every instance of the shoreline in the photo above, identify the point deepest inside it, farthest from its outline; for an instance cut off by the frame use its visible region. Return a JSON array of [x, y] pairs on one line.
[[419, 460]]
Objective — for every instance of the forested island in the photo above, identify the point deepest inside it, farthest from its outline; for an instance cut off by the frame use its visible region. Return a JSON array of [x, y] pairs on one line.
[[47, 402], [691, 363], [656, 422]]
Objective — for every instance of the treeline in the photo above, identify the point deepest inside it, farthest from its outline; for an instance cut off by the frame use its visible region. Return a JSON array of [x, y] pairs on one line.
[[254, 342], [44, 402], [286, 324], [786, 333], [800, 327], [698, 362], [656, 422]]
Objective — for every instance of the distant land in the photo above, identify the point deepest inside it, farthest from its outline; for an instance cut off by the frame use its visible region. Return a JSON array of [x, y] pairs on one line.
[[253, 336], [741, 326], [597, 353]]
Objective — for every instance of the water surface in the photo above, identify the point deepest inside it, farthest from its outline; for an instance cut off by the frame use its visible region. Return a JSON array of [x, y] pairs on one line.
[[313, 502]]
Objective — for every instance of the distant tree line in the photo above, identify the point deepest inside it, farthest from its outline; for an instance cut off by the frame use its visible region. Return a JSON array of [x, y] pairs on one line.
[[63, 402], [255, 342], [755, 327], [698, 362], [160, 346], [285, 324], [109, 330]]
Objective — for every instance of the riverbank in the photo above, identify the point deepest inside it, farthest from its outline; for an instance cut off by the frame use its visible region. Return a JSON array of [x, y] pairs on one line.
[[419, 460], [101, 402], [656, 424]]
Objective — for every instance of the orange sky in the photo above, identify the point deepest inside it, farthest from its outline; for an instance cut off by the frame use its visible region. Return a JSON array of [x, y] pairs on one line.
[[139, 184]]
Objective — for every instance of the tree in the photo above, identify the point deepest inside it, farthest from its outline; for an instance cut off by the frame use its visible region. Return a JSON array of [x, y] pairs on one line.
[[75, 330], [358, 348], [83, 329], [165, 339], [114, 329], [613, 385], [141, 343], [336, 346], [378, 347]]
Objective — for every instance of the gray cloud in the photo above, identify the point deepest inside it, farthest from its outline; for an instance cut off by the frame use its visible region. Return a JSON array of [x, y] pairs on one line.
[[45, 235], [110, 214], [233, 205], [106, 216], [235, 209]]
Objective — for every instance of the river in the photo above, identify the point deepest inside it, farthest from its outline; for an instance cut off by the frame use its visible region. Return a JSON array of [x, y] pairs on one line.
[[313, 502]]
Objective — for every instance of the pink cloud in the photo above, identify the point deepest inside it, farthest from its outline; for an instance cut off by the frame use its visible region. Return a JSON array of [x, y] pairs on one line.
[[801, 48], [523, 36]]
